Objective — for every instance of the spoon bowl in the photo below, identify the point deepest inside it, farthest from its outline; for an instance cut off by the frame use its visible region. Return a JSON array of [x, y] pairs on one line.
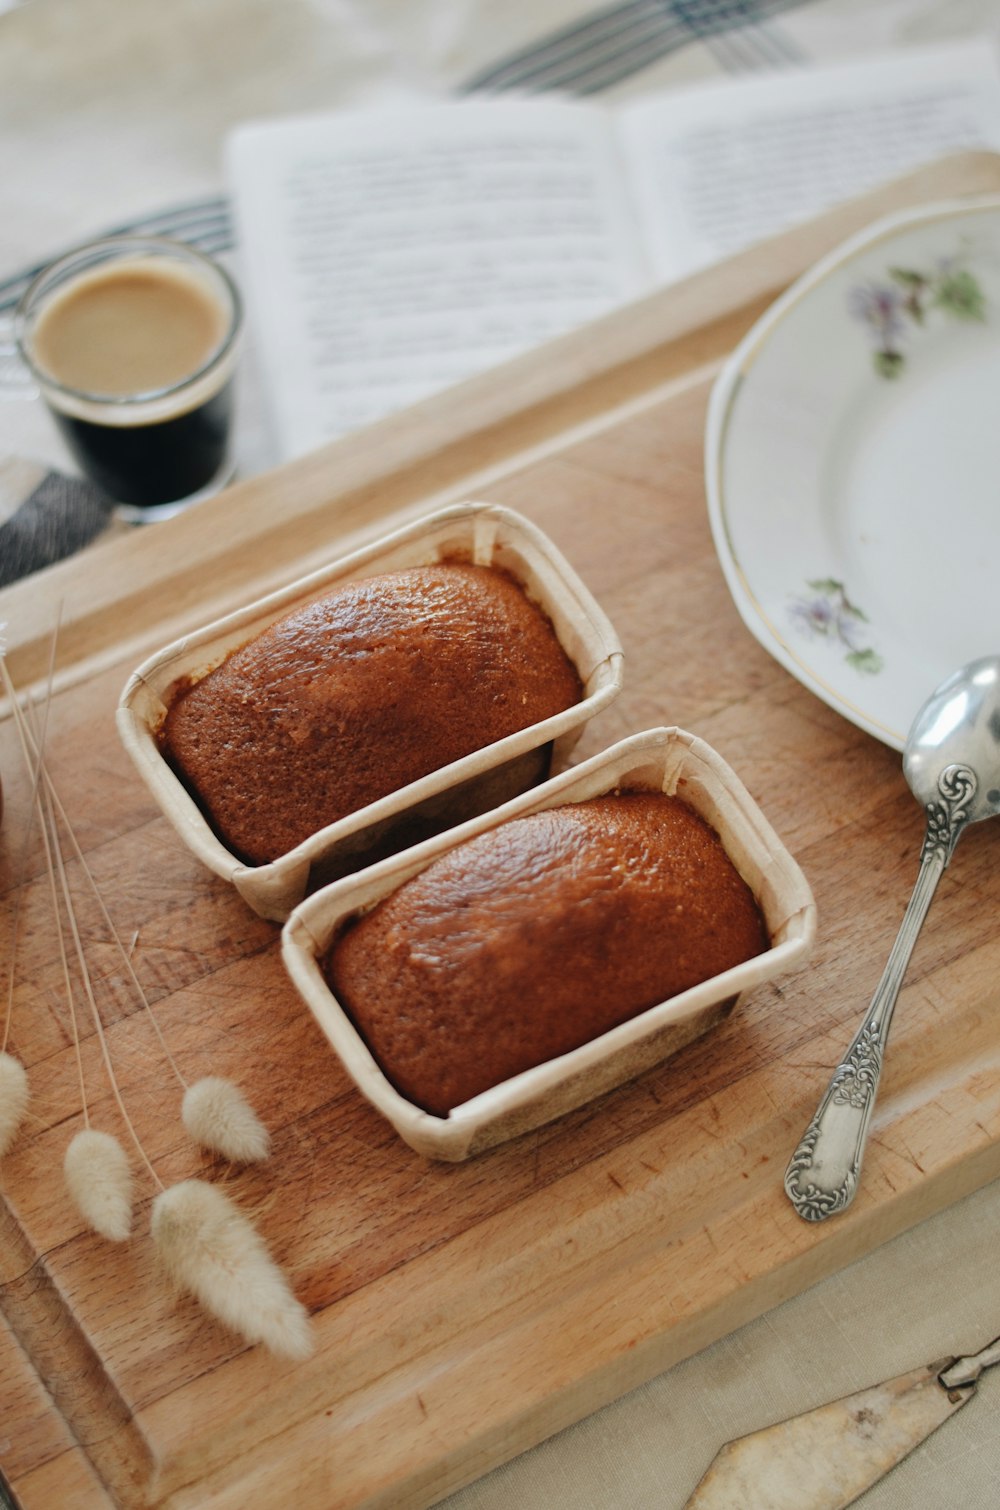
[[959, 723], [952, 765]]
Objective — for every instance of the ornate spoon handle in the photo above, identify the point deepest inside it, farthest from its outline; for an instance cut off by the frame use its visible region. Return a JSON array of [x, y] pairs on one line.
[[822, 1175]]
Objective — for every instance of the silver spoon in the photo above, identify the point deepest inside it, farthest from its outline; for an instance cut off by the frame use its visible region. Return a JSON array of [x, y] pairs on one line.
[[952, 765]]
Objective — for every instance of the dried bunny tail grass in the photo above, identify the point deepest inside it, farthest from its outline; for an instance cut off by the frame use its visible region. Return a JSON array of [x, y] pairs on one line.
[[100, 1182], [218, 1116], [56, 868], [13, 1099], [30, 744], [212, 1251]]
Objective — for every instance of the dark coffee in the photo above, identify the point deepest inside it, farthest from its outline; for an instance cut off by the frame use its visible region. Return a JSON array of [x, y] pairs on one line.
[[153, 464], [133, 344]]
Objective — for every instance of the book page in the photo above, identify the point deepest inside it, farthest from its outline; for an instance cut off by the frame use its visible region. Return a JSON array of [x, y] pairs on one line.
[[389, 254], [716, 167]]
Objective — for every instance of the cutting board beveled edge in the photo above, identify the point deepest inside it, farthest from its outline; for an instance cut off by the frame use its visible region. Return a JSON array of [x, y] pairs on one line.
[[446, 1393]]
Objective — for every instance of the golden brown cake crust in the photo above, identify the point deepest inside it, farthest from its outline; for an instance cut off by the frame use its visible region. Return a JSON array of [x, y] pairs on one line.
[[352, 697], [537, 936]]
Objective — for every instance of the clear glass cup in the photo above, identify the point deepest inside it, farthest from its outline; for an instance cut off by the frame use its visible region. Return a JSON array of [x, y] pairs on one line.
[[132, 342]]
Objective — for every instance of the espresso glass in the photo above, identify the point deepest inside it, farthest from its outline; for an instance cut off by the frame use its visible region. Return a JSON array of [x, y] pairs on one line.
[[154, 446]]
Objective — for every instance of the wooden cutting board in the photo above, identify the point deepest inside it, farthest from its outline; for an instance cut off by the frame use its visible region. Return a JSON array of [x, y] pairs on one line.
[[462, 1312]]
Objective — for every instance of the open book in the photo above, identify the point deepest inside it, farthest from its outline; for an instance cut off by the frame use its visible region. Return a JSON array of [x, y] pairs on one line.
[[388, 254]]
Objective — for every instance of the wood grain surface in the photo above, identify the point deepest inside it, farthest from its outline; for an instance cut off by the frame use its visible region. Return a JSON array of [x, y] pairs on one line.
[[461, 1312]]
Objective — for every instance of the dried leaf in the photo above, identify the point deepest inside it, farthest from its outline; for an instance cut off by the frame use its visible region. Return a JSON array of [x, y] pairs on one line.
[[100, 1182], [212, 1251], [218, 1116]]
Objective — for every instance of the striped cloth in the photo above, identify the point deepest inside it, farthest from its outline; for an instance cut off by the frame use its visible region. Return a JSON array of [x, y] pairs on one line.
[[44, 516], [619, 41]]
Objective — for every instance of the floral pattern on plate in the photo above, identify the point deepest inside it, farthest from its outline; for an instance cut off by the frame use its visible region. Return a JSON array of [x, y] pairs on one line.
[[891, 308], [827, 483], [829, 614]]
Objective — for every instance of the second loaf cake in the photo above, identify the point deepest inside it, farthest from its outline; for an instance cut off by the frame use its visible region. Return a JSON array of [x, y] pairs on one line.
[[358, 694], [537, 936]]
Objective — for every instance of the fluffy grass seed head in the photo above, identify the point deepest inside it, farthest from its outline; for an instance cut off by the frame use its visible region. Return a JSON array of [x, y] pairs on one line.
[[213, 1252], [13, 1099], [218, 1116], [100, 1182]]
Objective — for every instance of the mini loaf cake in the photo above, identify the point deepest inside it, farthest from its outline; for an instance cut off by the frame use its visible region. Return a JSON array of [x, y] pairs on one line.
[[356, 695], [536, 937]]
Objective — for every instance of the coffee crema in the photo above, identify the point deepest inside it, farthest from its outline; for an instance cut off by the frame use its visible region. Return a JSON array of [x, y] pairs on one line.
[[130, 328]]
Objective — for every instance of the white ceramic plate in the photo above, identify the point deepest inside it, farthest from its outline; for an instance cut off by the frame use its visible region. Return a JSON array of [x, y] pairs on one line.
[[853, 465]]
